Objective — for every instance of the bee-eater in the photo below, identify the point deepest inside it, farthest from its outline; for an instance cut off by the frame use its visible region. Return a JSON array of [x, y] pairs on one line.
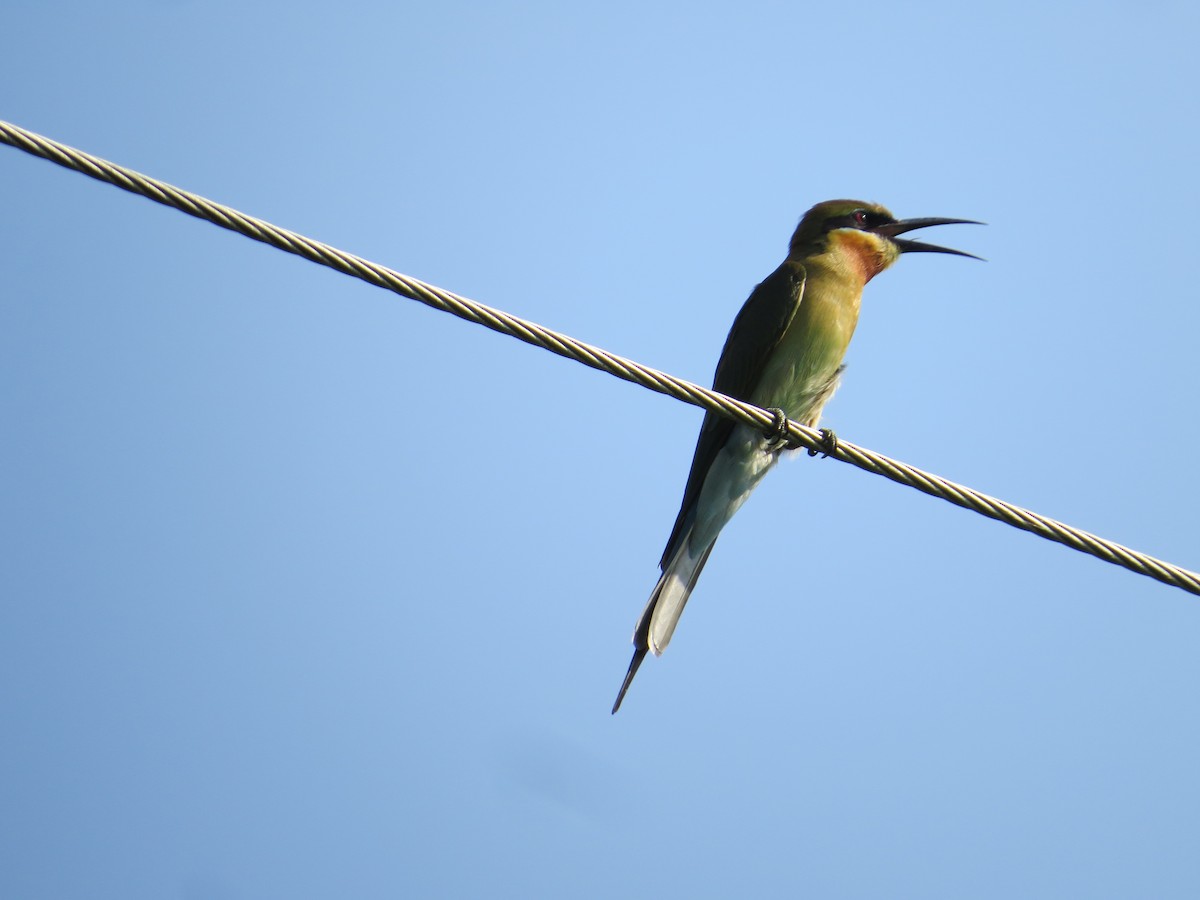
[[785, 353]]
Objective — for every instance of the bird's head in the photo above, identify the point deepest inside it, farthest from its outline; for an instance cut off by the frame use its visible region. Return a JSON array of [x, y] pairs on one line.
[[862, 236]]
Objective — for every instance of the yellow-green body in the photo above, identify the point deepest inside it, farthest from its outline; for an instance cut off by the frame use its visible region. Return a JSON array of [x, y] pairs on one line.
[[798, 375], [812, 348], [785, 351]]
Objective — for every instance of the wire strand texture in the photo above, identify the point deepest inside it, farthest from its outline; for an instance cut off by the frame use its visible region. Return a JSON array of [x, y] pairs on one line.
[[596, 358]]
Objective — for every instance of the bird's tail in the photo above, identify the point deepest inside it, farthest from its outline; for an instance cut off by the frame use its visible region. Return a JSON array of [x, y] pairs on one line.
[[662, 612]]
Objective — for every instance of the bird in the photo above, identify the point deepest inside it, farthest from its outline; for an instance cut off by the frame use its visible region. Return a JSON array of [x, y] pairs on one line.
[[784, 353]]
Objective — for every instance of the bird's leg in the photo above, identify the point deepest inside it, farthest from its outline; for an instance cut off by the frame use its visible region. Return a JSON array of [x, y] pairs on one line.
[[829, 444], [777, 431]]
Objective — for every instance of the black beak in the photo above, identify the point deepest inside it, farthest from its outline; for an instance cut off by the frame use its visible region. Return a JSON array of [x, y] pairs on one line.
[[894, 228]]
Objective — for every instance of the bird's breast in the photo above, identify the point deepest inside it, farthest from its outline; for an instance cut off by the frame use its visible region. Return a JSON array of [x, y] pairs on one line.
[[802, 372]]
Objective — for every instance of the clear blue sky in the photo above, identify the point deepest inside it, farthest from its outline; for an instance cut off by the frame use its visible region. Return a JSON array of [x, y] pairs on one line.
[[310, 591]]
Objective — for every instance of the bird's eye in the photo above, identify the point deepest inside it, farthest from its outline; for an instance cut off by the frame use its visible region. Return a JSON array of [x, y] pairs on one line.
[[860, 217]]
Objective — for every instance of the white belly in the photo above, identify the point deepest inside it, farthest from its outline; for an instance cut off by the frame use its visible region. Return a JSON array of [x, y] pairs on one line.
[[739, 467]]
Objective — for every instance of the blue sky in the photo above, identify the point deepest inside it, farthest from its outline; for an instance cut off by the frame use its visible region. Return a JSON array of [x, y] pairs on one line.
[[310, 591]]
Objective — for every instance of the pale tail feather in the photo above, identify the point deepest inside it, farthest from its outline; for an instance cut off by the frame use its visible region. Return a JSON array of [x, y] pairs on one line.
[[737, 468], [671, 594], [667, 600]]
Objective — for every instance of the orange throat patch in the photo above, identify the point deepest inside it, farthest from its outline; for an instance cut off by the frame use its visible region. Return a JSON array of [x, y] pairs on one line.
[[862, 253]]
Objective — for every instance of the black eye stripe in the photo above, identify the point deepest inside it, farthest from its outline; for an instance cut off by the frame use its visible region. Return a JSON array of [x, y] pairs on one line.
[[862, 219]]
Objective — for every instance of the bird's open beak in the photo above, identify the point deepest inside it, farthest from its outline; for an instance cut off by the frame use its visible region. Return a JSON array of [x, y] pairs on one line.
[[904, 225]]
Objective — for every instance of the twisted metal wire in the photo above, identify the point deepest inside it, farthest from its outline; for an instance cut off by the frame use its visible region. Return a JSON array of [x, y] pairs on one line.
[[596, 358]]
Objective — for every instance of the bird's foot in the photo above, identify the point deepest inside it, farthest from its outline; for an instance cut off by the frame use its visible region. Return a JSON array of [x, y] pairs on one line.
[[777, 432], [829, 444]]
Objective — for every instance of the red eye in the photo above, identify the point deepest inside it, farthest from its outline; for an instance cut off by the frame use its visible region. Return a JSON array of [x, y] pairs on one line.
[[860, 217]]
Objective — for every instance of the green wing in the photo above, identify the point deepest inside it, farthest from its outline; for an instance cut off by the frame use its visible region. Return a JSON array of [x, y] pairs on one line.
[[756, 332]]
